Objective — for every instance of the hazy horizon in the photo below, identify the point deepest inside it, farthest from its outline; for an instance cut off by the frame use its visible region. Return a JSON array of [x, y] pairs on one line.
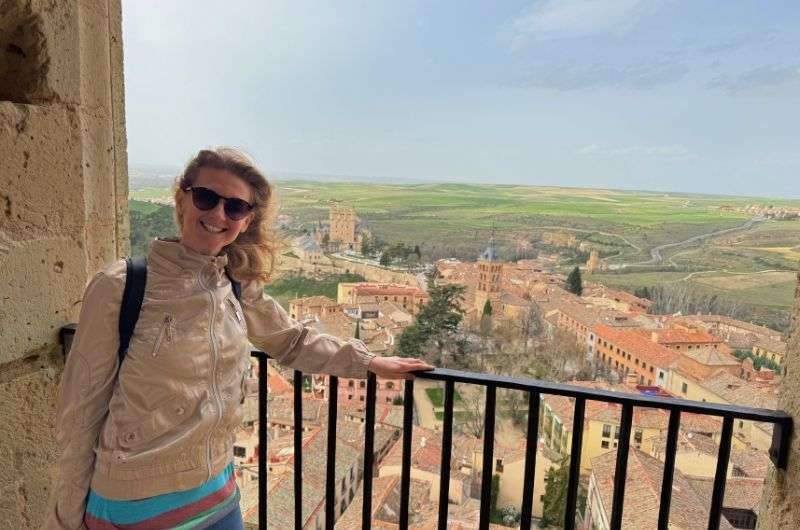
[[659, 95]]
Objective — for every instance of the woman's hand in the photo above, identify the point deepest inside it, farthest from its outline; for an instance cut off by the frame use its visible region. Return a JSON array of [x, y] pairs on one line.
[[397, 367]]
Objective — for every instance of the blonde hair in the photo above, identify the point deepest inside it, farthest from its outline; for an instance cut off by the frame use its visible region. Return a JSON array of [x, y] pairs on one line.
[[252, 256]]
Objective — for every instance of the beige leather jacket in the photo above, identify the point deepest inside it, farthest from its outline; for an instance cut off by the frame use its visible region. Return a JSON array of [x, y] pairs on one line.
[[167, 423]]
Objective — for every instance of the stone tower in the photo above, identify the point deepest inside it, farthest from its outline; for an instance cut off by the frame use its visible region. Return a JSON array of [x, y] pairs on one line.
[[343, 228], [490, 271]]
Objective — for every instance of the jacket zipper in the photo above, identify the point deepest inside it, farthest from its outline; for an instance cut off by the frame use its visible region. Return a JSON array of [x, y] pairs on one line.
[[236, 314], [166, 331], [214, 388]]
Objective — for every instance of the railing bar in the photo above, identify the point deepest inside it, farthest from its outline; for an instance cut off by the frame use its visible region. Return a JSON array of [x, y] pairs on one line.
[[488, 457], [330, 465], [531, 444], [298, 449], [369, 452], [723, 456], [544, 387], [263, 375], [571, 391], [405, 473], [621, 471], [669, 469], [574, 464], [447, 442]]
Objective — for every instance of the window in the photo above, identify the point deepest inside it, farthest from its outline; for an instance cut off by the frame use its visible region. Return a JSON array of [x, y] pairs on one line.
[[239, 451], [350, 384], [637, 436], [361, 398], [361, 384], [606, 431], [604, 444], [499, 465], [741, 424], [684, 387], [636, 361], [616, 434], [389, 385]]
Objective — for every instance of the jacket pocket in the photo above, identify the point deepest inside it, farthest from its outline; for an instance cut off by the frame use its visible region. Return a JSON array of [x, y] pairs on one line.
[[163, 419], [165, 333], [236, 312], [243, 387]]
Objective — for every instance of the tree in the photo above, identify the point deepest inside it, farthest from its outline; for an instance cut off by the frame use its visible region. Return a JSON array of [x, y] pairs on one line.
[[487, 308], [386, 259], [437, 323], [555, 494], [575, 282], [417, 252]]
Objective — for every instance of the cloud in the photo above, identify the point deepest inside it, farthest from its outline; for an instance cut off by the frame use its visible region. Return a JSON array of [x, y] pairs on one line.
[[748, 40], [554, 19], [567, 77], [664, 151], [763, 79]]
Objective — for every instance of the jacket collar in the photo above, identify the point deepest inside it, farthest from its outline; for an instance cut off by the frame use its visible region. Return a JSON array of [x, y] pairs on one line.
[[169, 254]]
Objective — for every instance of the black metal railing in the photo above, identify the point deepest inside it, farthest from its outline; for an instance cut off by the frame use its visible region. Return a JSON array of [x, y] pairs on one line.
[[782, 426], [778, 452]]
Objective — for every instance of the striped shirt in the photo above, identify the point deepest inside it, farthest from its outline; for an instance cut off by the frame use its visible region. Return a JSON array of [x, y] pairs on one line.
[[196, 508]]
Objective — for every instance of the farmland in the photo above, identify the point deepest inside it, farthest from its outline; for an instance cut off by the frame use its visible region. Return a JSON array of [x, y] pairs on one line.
[[753, 266]]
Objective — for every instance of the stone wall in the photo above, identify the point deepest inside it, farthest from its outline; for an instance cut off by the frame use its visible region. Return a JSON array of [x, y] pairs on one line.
[[372, 273], [780, 504], [63, 214]]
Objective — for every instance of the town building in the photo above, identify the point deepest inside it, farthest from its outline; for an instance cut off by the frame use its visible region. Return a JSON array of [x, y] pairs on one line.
[[410, 298], [490, 271], [628, 351], [313, 307]]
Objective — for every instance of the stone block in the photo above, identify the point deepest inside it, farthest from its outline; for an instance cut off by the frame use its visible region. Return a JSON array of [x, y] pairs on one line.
[[27, 442], [45, 279], [41, 183]]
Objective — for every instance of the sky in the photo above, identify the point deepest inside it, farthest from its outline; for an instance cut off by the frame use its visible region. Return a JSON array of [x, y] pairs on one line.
[[694, 96]]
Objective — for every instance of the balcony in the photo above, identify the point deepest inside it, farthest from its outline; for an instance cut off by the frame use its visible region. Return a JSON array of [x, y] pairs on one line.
[[781, 423]]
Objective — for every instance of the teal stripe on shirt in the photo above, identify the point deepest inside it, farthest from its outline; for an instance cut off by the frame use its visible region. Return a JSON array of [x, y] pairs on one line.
[[133, 511]]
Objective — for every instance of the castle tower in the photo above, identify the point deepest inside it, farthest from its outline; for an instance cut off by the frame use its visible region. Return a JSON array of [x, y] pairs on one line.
[[343, 228], [490, 271]]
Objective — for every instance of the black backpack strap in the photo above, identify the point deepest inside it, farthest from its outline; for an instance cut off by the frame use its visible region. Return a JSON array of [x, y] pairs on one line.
[[236, 287], [135, 280]]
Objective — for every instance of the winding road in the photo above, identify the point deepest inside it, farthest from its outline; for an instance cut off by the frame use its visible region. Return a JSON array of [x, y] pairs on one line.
[[655, 252]]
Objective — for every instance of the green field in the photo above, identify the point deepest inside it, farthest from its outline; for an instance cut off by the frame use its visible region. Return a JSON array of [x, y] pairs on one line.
[[291, 287], [456, 220]]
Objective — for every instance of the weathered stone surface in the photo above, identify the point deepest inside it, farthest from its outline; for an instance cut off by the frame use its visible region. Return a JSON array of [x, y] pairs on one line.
[[45, 281], [780, 504], [63, 215], [28, 450], [40, 176]]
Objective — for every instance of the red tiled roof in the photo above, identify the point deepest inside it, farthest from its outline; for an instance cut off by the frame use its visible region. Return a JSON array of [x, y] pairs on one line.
[[387, 289], [680, 336], [634, 343]]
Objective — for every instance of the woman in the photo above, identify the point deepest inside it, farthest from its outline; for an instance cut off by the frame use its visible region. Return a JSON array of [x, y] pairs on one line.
[[152, 446]]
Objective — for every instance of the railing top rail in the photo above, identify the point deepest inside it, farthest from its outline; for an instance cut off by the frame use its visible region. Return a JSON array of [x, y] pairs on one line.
[[638, 400], [561, 389], [609, 396]]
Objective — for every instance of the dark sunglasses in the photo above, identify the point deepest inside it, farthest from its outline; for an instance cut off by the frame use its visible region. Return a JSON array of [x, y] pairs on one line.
[[206, 199]]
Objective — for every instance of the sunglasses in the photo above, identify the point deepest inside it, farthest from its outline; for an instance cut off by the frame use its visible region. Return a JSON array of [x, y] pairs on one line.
[[206, 199]]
